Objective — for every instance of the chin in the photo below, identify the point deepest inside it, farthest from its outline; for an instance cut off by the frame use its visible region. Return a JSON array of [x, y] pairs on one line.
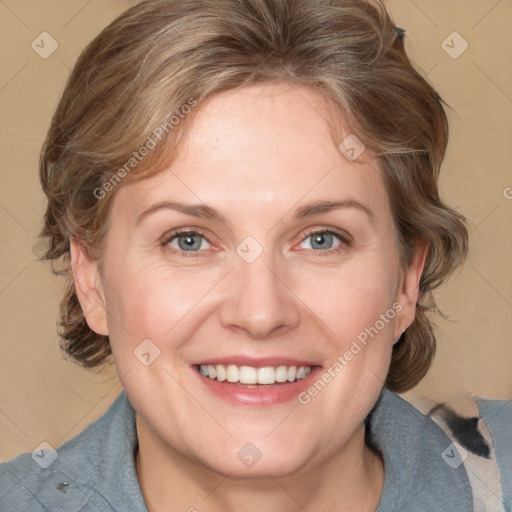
[[276, 465]]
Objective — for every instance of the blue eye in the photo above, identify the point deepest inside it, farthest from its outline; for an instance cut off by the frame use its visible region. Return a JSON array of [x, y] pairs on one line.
[[193, 243], [322, 240], [189, 241]]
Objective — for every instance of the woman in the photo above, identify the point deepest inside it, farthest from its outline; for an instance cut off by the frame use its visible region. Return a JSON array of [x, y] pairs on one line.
[[243, 196]]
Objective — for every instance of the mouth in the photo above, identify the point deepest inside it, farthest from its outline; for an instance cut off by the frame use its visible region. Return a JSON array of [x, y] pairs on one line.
[[256, 383], [255, 376]]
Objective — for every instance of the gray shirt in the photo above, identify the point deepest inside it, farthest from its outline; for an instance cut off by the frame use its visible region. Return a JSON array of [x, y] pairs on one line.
[[95, 470]]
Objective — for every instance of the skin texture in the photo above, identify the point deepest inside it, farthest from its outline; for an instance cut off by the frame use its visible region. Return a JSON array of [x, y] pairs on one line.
[[255, 154]]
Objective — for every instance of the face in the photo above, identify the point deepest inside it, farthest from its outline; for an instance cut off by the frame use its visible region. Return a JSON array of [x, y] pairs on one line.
[[262, 255]]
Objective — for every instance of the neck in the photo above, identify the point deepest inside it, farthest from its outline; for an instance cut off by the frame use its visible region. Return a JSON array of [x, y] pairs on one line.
[[351, 479]]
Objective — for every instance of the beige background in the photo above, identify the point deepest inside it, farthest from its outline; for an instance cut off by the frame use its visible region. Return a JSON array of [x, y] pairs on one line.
[[45, 398]]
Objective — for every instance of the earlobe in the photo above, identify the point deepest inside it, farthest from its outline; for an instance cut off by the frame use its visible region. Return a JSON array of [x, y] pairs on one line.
[[409, 293], [89, 288]]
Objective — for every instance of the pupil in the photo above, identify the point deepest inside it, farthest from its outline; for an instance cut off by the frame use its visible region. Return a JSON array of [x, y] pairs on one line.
[[189, 242], [321, 241]]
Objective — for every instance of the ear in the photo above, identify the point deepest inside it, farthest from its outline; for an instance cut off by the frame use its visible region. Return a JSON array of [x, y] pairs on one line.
[[409, 291], [89, 288]]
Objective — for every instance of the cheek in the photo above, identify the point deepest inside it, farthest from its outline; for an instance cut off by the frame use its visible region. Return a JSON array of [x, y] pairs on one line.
[[357, 304], [154, 302], [351, 298]]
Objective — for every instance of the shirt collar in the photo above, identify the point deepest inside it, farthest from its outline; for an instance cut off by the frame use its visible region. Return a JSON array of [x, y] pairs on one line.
[[416, 476]]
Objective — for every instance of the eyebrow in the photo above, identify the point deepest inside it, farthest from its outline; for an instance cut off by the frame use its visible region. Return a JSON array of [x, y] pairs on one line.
[[194, 210], [206, 212], [327, 206]]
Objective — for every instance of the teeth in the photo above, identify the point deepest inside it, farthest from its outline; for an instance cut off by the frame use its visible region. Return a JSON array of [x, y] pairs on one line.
[[232, 373], [250, 375], [301, 372], [266, 375], [221, 373], [281, 374]]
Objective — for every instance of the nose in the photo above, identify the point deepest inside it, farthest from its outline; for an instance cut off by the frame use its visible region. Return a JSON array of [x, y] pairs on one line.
[[258, 300]]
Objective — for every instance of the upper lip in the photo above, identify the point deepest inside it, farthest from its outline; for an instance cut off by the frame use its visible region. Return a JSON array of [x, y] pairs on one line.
[[257, 362]]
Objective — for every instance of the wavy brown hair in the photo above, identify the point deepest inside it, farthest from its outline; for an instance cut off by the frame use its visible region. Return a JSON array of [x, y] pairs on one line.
[[159, 54]]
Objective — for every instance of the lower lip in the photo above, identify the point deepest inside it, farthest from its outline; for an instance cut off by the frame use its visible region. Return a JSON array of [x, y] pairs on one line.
[[258, 395]]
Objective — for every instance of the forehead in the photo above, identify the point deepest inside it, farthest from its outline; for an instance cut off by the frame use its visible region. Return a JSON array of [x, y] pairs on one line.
[[262, 144]]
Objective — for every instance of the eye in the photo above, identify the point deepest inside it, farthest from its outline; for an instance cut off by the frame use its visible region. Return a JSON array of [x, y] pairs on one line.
[[187, 241], [323, 240]]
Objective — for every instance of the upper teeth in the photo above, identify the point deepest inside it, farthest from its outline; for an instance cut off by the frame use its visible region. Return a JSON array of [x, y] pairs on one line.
[[251, 375]]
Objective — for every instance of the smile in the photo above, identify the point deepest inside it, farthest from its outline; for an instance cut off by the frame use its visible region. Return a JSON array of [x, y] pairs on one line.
[[266, 375]]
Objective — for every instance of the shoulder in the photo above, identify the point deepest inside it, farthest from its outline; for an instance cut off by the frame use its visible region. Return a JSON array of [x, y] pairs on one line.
[[497, 416], [418, 473], [480, 431], [86, 472]]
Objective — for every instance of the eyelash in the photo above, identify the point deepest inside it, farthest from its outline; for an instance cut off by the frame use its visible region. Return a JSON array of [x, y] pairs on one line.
[[187, 254], [345, 241]]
